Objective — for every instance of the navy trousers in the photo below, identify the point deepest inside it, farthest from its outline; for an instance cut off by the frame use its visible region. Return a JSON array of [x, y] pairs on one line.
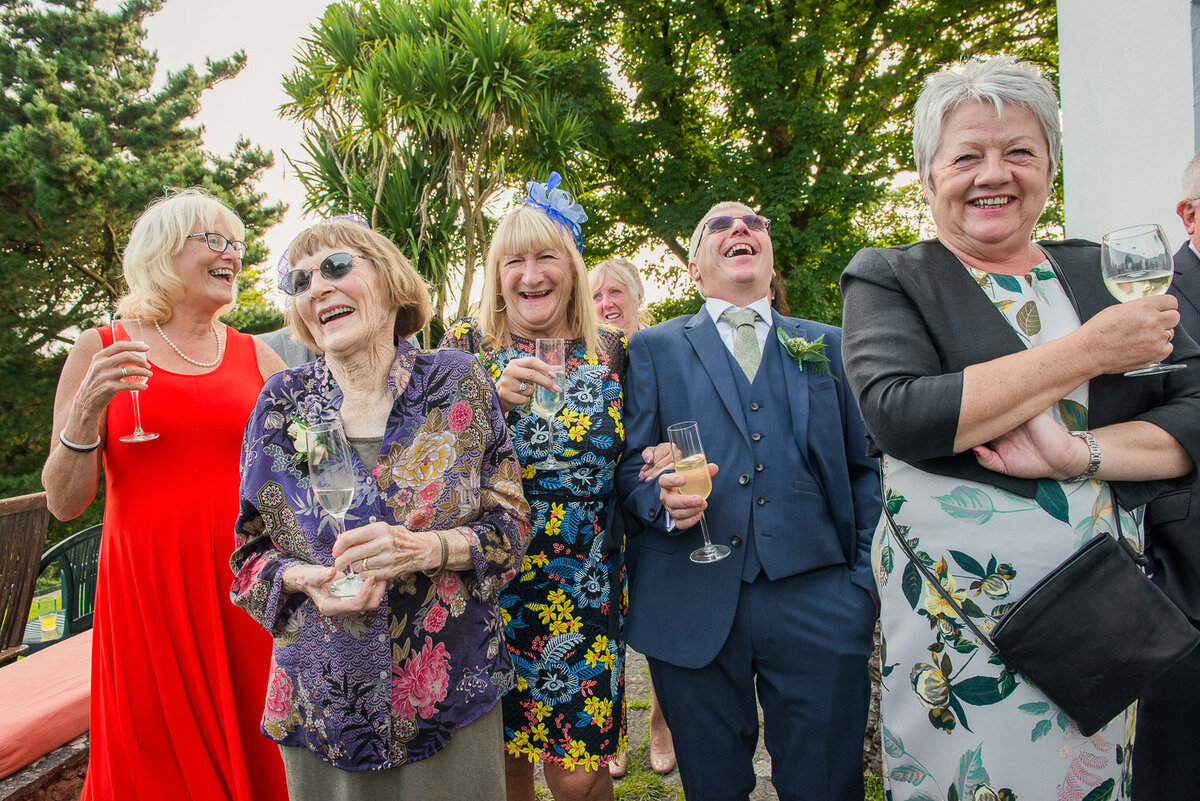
[[803, 642]]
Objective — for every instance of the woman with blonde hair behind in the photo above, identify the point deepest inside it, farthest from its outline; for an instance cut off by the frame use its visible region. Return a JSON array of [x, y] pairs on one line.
[[618, 295]]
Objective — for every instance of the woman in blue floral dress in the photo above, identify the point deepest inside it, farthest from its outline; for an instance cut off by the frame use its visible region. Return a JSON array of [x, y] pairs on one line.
[[563, 613]]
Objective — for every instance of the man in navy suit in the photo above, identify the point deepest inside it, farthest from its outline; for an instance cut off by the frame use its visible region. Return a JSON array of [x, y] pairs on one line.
[[1165, 767], [791, 611]]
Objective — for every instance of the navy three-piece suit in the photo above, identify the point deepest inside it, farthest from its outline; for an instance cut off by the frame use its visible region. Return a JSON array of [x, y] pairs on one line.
[[791, 611]]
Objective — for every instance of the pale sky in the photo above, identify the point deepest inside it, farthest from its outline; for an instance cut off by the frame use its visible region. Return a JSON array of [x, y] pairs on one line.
[[269, 31]]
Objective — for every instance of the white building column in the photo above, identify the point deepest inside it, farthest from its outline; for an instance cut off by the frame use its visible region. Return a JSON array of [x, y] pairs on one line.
[[1131, 111]]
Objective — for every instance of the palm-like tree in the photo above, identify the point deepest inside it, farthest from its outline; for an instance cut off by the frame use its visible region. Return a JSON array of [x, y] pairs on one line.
[[416, 114]]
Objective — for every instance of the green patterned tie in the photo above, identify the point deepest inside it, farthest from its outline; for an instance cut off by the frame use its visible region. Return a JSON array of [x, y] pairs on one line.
[[745, 342]]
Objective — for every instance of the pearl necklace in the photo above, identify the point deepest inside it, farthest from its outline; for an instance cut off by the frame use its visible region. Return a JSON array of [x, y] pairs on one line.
[[184, 356]]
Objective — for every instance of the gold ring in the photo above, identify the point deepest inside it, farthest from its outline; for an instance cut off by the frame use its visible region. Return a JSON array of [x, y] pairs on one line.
[[1170, 334], [364, 563]]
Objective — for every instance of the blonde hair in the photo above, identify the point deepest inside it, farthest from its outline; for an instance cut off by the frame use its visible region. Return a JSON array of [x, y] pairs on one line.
[[403, 288], [158, 236], [525, 230], [623, 271]]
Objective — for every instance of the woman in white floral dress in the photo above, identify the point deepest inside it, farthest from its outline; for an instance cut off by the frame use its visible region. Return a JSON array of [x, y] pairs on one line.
[[985, 366]]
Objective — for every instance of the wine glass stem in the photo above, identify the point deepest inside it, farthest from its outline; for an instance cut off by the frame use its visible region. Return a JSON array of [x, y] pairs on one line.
[[704, 532], [550, 422], [137, 414], [341, 529]]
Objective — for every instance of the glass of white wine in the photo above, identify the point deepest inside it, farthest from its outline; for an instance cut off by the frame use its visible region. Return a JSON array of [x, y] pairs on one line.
[[546, 403], [1136, 264], [331, 471], [121, 331], [691, 463]]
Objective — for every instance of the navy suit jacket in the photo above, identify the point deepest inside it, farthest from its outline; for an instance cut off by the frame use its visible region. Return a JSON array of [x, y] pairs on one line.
[[681, 612], [1173, 520]]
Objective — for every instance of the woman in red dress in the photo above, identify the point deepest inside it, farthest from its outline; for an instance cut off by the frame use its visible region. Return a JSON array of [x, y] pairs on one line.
[[178, 673]]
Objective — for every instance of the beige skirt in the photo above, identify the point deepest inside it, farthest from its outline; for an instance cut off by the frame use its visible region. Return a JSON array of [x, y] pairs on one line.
[[469, 768]]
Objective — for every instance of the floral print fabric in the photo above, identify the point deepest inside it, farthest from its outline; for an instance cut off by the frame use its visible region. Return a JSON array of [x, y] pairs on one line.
[[564, 612], [391, 685], [955, 724]]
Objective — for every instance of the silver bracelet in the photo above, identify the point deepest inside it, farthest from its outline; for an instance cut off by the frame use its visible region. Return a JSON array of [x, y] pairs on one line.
[[1093, 451], [71, 446]]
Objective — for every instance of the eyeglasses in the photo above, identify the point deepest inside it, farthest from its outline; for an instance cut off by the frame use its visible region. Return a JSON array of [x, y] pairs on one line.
[[755, 222], [218, 244], [333, 267]]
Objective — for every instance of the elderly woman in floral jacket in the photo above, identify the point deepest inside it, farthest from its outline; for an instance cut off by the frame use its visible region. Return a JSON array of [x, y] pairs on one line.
[[391, 693]]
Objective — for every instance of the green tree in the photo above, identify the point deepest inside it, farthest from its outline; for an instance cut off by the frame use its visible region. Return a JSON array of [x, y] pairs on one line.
[[415, 115], [800, 107], [85, 143]]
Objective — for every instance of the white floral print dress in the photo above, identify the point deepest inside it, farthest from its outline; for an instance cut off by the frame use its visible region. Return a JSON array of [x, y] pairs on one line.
[[955, 725]]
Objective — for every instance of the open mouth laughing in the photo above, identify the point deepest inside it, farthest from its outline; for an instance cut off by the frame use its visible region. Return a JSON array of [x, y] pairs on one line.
[[335, 313], [225, 274], [739, 249]]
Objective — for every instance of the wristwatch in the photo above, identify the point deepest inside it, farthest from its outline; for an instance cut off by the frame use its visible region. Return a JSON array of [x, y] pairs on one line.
[[1093, 450]]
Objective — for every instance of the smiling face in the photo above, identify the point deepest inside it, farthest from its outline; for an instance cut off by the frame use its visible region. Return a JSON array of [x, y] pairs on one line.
[[736, 264], [536, 286], [615, 304], [989, 181], [209, 278], [346, 316]]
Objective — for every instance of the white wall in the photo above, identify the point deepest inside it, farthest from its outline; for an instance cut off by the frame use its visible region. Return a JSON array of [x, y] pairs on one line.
[[1128, 112]]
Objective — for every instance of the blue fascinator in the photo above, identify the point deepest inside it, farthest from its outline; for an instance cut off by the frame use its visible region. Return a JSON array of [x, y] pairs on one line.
[[284, 266], [558, 204]]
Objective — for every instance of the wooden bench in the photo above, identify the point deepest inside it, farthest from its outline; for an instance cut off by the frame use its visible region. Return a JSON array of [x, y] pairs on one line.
[[44, 700]]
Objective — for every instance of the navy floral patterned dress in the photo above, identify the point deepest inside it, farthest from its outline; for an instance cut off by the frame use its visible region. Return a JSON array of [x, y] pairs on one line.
[[564, 612]]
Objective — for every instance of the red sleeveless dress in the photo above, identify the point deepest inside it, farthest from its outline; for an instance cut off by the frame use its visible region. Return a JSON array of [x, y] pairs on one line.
[[179, 674]]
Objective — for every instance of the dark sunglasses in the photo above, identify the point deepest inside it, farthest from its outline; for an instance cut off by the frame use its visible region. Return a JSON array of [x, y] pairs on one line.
[[755, 222], [333, 267]]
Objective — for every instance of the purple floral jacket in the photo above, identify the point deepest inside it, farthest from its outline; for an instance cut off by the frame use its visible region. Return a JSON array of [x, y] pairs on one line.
[[388, 686]]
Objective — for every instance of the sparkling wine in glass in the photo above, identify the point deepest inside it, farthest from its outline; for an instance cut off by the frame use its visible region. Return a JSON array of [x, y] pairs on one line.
[[691, 464], [120, 332], [331, 472], [547, 403], [1136, 264]]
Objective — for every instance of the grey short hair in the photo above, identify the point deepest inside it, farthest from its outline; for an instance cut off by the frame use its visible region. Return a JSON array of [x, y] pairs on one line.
[[1191, 179], [1001, 81], [624, 272]]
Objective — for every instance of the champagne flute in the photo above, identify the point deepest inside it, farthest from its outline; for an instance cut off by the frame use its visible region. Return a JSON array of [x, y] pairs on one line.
[[1136, 263], [120, 331], [331, 472], [691, 464], [546, 403]]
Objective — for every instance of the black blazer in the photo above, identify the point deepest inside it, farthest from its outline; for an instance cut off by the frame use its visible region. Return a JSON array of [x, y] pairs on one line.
[[1173, 520], [913, 319]]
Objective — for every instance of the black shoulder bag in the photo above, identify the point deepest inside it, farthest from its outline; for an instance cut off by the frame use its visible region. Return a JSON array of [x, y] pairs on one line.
[[1091, 635]]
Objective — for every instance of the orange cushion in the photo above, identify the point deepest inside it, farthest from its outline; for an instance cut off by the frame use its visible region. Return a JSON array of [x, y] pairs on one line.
[[44, 701]]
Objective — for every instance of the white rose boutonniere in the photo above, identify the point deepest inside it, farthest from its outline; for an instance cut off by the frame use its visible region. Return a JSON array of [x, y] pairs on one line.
[[803, 351]]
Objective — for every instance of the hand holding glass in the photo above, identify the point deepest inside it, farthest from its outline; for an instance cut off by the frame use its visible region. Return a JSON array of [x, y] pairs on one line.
[[546, 402], [1136, 264], [331, 471], [121, 332], [692, 466]]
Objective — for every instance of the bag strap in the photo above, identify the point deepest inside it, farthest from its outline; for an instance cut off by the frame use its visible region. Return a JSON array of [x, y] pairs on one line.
[[1141, 560], [937, 586]]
